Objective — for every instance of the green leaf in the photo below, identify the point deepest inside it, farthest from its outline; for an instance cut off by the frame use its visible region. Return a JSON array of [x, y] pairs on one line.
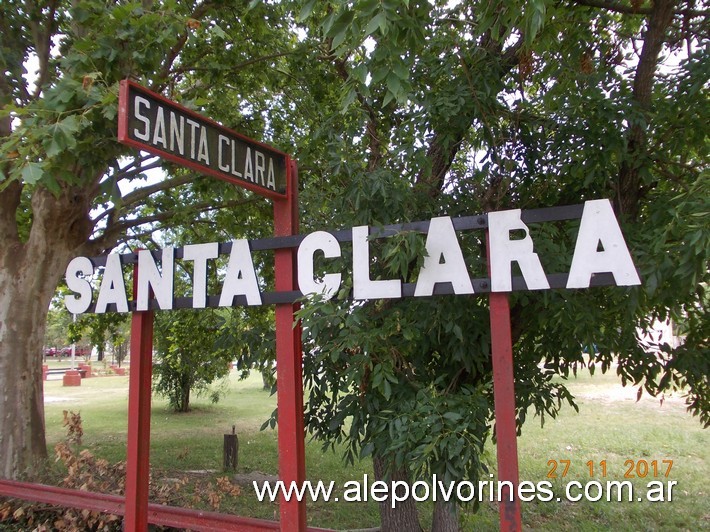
[[32, 172], [386, 390], [306, 11], [339, 30], [378, 21], [217, 31], [367, 450]]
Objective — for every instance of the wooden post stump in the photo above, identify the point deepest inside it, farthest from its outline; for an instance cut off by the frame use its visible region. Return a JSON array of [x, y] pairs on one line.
[[231, 450]]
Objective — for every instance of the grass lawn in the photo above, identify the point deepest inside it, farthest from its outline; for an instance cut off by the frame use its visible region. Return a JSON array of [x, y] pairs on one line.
[[611, 427]]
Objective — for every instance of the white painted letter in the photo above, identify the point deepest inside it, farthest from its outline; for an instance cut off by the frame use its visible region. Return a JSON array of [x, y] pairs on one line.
[[200, 254], [363, 287], [203, 152], [79, 266], [328, 244], [504, 251], [441, 243], [271, 179], [248, 168], [259, 167], [149, 277], [222, 140], [599, 225], [177, 133], [113, 288], [145, 135], [194, 128], [235, 172], [159, 133], [240, 278]]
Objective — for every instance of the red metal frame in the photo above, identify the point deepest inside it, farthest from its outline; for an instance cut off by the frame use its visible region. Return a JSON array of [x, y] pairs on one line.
[[292, 462], [291, 434], [504, 401], [157, 514], [504, 406], [139, 402], [135, 507]]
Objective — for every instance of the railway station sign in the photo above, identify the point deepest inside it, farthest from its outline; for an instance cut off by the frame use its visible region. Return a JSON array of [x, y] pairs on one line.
[[152, 123], [600, 257]]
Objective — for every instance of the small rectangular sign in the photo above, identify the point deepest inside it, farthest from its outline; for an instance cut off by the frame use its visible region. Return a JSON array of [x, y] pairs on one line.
[[152, 123]]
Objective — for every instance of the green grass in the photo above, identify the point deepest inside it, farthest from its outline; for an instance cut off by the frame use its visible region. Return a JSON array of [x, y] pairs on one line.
[[610, 426]]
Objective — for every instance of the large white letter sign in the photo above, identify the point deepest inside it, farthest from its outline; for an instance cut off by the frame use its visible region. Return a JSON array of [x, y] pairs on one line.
[[199, 254], [328, 244], [113, 288], [240, 278], [441, 243], [149, 277], [503, 251], [79, 266], [599, 225], [363, 287]]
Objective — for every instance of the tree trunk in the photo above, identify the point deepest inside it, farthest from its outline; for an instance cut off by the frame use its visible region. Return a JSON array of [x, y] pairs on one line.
[[183, 403], [403, 517], [22, 317], [446, 517], [25, 294], [29, 274], [630, 185]]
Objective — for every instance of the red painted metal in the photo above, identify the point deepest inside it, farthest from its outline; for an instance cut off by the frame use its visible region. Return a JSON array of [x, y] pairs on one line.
[[504, 405], [157, 513], [504, 399], [291, 436], [97, 502], [139, 402]]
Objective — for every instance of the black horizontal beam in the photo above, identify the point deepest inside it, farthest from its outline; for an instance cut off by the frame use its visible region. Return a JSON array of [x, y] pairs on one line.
[[461, 223]]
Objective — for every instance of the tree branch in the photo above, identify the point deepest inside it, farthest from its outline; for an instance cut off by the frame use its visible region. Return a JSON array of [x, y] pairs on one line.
[[445, 146], [9, 202], [141, 194], [42, 37], [241, 65], [618, 7], [629, 191], [174, 52], [136, 163], [123, 173], [113, 234]]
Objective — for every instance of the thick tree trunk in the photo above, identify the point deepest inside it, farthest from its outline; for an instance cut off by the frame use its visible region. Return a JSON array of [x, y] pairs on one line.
[[29, 273], [25, 294], [22, 318], [446, 517], [403, 517]]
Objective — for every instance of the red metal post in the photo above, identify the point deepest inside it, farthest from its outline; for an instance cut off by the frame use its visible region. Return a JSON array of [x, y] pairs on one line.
[[139, 397], [504, 398], [504, 406], [289, 372]]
